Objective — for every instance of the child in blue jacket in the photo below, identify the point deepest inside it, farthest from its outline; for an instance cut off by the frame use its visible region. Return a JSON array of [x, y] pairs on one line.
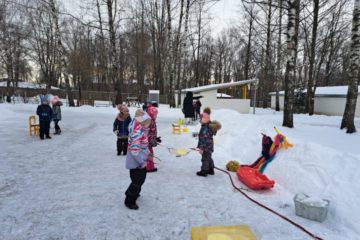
[[121, 129], [45, 116]]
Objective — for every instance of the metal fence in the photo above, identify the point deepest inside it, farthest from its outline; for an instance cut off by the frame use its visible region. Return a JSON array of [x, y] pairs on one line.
[[25, 95]]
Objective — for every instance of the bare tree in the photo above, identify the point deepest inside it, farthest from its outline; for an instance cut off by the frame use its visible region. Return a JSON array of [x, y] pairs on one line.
[[13, 52], [293, 13], [170, 64], [278, 63], [350, 107]]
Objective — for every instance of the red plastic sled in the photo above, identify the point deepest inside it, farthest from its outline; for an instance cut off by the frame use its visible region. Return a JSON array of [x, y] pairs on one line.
[[254, 179]]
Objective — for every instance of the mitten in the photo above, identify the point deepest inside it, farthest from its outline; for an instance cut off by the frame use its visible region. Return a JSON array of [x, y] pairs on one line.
[[116, 132], [158, 139]]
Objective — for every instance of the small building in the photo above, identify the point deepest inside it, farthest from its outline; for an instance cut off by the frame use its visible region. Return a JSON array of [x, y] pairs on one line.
[[328, 100], [210, 95]]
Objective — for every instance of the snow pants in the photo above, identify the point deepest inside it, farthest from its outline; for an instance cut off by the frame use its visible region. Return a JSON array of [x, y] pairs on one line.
[[57, 127], [122, 145], [44, 129], [137, 177], [150, 161], [207, 162]]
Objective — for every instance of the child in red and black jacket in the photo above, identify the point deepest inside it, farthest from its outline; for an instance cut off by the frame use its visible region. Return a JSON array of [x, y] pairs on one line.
[[206, 142], [152, 137]]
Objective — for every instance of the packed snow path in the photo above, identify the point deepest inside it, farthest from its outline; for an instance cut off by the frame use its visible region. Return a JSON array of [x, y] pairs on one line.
[[72, 186]]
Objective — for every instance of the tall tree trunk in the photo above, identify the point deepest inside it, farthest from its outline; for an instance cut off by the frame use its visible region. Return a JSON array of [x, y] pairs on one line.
[[310, 87], [293, 9], [248, 48], [350, 107], [113, 54], [102, 66], [171, 97], [62, 52], [278, 64], [178, 54], [267, 79]]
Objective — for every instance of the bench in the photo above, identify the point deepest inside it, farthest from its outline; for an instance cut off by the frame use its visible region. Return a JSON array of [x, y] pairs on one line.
[[133, 101]]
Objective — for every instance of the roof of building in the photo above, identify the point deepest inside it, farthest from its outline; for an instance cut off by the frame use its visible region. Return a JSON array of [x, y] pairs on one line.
[[32, 85], [217, 86], [223, 95], [335, 91]]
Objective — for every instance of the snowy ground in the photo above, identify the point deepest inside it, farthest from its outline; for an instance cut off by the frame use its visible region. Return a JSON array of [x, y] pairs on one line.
[[72, 187]]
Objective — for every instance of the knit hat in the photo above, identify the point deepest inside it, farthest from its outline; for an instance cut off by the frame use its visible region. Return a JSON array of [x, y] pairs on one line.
[[152, 111], [55, 100], [141, 116], [206, 113], [124, 108], [43, 99]]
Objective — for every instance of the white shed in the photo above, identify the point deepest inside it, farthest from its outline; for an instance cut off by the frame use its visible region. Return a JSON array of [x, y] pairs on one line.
[[328, 100], [210, 96]]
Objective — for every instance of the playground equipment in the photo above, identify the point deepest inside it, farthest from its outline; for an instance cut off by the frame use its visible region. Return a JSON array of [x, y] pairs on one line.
[[241, 232], [252, 175], [176, 129], [34, 128]]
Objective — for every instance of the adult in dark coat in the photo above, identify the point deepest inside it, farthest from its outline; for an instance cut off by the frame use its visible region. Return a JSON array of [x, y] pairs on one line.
[[188, 107]]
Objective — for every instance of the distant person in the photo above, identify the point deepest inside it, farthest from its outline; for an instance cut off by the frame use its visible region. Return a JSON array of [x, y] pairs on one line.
[[137, 156], [56, 103], [45, 116], [188, 107], [197, 109], [121, 129], [194, 106]]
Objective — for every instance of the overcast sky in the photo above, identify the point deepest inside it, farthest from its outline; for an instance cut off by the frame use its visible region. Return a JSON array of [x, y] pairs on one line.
[[222, 12]]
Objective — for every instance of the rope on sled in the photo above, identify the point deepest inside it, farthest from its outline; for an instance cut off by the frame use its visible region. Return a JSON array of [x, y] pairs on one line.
[[269, 209]]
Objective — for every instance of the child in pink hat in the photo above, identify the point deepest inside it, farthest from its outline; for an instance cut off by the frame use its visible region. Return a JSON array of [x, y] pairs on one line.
[[206, 142], [152, 138]]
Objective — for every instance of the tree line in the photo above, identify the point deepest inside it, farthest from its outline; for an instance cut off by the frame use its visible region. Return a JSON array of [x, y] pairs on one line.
[[133, 46]]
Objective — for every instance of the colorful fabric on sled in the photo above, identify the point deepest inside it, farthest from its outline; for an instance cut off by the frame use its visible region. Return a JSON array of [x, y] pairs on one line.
[[269, 149], [240, 232]]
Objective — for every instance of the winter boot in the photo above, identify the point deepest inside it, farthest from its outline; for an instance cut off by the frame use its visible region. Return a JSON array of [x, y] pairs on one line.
[[48, 137], [131, 206], [210, 172], [201, 173]]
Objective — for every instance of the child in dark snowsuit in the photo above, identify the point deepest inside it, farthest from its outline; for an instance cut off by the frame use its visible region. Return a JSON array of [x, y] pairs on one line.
[[137, 156], [206, 142], [45, 116], [121, 129]]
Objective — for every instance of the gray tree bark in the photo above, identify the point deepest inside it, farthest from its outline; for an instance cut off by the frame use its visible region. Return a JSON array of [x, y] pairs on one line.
[[293, 9], [350, 107], [278, 64], [310, 86]]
